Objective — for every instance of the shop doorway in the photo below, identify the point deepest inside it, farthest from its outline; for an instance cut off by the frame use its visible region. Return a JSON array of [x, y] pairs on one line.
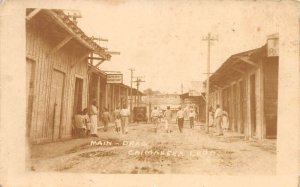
[[78, 96]]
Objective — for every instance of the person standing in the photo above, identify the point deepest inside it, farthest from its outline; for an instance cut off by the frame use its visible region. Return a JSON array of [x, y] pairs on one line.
[[211, 116], [168, 119], [124, 119], [118, 122], [225, 120], [117, 117], [94, 119], [192, 118], [87, 121], [218, 118], [180, 119], [105, 119], [155, 117]]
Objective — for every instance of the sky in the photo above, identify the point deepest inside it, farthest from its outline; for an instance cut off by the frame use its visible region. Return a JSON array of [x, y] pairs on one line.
[[162, 40]]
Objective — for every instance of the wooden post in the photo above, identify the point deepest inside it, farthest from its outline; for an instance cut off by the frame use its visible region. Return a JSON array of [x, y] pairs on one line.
[[98, 95], [32, 14]]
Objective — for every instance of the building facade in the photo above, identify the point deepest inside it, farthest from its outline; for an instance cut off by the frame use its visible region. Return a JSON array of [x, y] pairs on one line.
[[246, 86], [57, 73]]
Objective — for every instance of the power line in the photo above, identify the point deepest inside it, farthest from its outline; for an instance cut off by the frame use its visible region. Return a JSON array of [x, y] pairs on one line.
[[138, 81], [131, 77], [209, 39]]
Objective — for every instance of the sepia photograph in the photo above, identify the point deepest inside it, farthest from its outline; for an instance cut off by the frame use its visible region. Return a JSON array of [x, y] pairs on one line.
[[159, 87]]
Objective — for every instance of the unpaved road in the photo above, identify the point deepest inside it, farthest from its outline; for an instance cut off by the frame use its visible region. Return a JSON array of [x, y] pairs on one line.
[[143, 151]]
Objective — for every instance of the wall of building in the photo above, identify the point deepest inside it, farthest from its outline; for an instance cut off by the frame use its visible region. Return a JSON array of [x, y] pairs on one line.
[[236, 98], [37, 48], [270, 69]]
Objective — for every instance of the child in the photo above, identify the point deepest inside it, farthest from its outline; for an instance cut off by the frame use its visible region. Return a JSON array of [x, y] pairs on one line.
[[86, 121], [118, 122]]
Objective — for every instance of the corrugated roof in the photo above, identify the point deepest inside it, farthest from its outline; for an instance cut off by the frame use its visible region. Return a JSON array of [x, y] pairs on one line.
[[229, 70]]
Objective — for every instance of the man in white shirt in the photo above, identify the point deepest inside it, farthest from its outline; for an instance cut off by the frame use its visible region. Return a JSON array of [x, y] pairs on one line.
[[154, 116], [168, 119], [218, 118], [125, 113], [192, 117]]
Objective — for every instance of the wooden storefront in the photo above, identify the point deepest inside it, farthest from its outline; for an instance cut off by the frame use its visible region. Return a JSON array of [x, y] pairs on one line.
[[246, 85], [57, 81]]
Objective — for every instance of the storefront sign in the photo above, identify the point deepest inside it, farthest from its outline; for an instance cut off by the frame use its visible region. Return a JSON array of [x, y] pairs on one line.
[[273, 46], [114, 78]]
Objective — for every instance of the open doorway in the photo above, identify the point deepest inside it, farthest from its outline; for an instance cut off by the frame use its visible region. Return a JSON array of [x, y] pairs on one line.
[[78, 96]]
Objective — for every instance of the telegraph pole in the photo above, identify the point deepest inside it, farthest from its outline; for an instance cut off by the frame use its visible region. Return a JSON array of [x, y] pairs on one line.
[[208, 38], [131, 77], [138, 82]]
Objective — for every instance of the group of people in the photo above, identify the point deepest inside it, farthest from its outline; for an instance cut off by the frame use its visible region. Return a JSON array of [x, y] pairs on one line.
[[86, 122], [219, 119], [155, 115]]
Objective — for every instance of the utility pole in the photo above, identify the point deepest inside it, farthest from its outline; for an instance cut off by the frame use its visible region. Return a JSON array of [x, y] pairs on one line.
[[208, 38], [131, 77], [138, 82]]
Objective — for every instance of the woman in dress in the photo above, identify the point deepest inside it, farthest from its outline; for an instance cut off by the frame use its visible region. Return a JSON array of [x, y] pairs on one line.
[[94, 119], [225, 120]]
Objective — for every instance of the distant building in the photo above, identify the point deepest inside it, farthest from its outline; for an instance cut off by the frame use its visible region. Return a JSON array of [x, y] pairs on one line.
[[161, 100]]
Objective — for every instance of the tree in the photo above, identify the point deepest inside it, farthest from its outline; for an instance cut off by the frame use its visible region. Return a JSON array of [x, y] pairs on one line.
[[149, 91]]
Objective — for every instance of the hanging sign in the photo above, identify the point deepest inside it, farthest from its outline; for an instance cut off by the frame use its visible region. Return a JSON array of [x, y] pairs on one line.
[[114, 78], [273, 46]]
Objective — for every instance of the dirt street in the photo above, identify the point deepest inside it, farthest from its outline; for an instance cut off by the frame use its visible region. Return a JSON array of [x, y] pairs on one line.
[[144, 151]]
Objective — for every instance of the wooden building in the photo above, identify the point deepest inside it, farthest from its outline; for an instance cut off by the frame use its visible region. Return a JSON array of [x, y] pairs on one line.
[[57, 73], [107, 95], [246, 85]]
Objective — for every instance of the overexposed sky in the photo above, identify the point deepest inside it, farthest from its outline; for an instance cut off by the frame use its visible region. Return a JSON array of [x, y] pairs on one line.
[[162, 40]]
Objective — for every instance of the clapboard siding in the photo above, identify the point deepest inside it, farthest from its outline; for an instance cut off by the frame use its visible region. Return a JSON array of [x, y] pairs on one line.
[[38, 46]]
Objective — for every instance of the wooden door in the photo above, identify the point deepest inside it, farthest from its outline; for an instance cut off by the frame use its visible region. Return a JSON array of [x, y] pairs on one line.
[[29, 93], [56, 98], [78, 96]]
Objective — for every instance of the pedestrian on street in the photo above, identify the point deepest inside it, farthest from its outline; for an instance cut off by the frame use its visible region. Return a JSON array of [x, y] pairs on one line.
[[124, 119], [155, 117], [105, 119], [118, 123], [117, 118], [211, 116], [218, 119], [168, 118], [225, 120], [94, 119], [192, 118], [180, 119]]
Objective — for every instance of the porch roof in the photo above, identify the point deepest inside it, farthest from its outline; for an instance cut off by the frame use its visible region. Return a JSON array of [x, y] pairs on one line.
[[235, 67], [62, 20]]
